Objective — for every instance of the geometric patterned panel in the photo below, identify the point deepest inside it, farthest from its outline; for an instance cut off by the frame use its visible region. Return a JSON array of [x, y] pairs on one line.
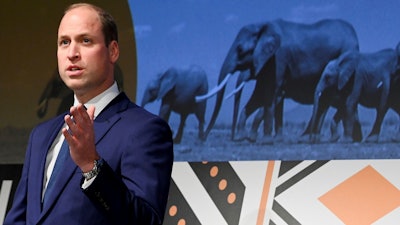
[[363, 198], [224, 187], [334, 192], [351, 192], [178, 210]]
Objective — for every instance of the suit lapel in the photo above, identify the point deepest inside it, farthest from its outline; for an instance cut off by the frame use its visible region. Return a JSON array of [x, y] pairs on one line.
[[38, 169], [109, 116], [55, 127]]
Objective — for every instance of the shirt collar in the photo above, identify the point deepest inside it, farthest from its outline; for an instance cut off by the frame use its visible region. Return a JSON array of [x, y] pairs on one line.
[[101, 100]]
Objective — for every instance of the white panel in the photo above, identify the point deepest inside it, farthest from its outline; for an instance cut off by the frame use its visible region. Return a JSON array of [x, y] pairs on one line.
[[252, 174], [4, 195]]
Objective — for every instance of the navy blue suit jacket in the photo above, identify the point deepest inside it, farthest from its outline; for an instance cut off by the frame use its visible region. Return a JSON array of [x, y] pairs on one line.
[[131, 188]]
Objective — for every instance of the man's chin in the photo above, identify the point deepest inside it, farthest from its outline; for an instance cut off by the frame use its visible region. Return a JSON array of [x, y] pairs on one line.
[[76, 87]]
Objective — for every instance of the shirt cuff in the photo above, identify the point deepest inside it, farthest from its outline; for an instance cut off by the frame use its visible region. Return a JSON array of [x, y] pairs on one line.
[[87, 183]]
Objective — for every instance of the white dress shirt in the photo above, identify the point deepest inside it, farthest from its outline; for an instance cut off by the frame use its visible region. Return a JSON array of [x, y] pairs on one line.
[[99, 102]]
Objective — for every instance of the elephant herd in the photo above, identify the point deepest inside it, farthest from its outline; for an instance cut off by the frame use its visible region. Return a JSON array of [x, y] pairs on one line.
[[318, 64]]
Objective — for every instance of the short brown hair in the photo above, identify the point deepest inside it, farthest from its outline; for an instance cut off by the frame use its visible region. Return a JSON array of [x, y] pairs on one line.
[[110, 29]]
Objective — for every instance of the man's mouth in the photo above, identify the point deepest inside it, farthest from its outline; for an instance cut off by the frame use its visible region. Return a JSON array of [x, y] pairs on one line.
[[74, 71], [74, 68]]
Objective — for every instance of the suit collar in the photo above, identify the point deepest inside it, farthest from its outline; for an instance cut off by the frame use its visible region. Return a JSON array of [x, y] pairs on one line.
[[118, 104], [101, 100]]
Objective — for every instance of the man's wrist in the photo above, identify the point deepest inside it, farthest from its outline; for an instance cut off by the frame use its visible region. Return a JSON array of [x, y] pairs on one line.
[[97, 164]]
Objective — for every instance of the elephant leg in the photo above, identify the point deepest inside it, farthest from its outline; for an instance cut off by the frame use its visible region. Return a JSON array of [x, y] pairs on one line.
[[357, 130], [315, 136], [165, 111], [200, 117], [380, 115], [278, 115], [320, 107], [179, 134], [267, 138], [334, 125], [309, 129], [396, 136], [374, 134], [349, 118], [241, 123], [258, 118], [252, 105], [66, 103], [312, 132]]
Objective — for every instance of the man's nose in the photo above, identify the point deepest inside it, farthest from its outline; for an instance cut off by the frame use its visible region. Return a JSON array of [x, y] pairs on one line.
[[73, 52]]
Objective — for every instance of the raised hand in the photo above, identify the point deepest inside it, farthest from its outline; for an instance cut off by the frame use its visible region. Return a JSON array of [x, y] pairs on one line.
[[80, 136]]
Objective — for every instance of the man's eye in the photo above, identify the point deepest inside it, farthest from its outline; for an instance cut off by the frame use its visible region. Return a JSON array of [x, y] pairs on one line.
[[64, 42], [86, 40]]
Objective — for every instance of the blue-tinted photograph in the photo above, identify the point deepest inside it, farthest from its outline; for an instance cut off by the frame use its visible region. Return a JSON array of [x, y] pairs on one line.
[[263, 80]]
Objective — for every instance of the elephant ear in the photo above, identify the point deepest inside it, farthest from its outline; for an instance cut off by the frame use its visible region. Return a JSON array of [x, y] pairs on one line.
[[267, 44], [167, 82], [347, 64]]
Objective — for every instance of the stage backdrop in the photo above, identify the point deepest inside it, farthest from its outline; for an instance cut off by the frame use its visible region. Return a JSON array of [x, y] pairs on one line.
[[272, 175]]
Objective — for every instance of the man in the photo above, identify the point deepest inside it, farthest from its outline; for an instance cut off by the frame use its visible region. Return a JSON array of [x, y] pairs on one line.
[[118, 164]]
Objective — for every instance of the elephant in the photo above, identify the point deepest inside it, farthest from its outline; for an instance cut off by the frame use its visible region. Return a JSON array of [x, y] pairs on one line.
[[286, 60], [177, 88], [56, 89], [369, 79]]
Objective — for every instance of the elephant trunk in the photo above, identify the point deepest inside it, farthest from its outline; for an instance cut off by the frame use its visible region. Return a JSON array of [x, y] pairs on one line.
[[229, 67], [48, 92], [322, 101], [314, 119], [243, 77], [218, 103], [225, 74], [145, 100], [42, 108], [236, 105]]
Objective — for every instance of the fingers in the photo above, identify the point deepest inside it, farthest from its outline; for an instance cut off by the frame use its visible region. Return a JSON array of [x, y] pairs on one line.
[[79, 120], [80, 136], [79, 114]]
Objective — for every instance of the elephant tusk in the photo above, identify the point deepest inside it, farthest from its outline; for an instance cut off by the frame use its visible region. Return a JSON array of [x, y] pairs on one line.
[[236, 90], [214, 90]]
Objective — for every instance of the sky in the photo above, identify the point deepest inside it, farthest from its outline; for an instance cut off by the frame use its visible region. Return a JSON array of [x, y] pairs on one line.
[[184, 32]]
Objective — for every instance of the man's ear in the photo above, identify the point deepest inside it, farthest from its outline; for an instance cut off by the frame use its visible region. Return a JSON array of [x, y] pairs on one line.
[[113, 49]]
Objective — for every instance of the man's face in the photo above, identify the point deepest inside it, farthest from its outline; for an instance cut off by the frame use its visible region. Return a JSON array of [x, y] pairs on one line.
[[85, 63]]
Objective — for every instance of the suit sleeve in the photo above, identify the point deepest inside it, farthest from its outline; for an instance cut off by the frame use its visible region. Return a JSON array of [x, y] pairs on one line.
[[138, 193]]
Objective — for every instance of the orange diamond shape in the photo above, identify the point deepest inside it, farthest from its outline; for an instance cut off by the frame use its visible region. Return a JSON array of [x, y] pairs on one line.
[[363, 198]]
